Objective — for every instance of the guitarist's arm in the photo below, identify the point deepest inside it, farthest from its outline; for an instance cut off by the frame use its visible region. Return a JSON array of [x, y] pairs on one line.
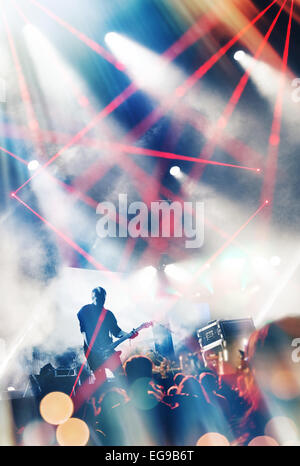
[[84, 338], [117, 331], [130, 335]]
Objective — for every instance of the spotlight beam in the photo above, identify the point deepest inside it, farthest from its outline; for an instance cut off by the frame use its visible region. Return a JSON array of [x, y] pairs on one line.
[[283, 282], [25, 94], [116, 102], [81, 36], [234, 147], [89, 201], [210, 146], [187, 39], [168, 103], [131, 90], [20, 12], [192, 35], [274, 140], [203, 69], [129, 166]]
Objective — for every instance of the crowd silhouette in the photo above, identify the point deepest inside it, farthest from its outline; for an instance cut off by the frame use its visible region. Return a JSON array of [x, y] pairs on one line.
[[143, 411]]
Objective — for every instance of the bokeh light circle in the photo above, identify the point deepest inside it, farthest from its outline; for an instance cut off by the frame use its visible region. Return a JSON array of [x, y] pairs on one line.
[[212, 439], [56, 408], [73, 432], [38, 433], [263, 441], [140, 396], [282, 429], [292, 443], [284, 384]]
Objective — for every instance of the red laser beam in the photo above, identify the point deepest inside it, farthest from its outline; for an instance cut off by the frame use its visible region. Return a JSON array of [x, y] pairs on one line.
[[70, 189], [82, 100], [91, 202], [210, 146], [169, 155], [203, 69], [131, 89], [82, 37], [274, 141], [13, 155], [199, 29], [20, 12], [176, 48], [86, 390], [94, 336], [236, 148], [168, 103], [28, 206], [64, 237], [124, 95]]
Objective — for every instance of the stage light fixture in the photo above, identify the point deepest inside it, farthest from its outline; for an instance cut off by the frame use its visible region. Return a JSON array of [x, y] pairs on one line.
[[148, 69], [239, 55], [176, 172], [33, 165], [176, 272], [275, 261]]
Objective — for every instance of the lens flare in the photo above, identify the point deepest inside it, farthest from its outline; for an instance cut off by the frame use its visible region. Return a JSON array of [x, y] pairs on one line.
[[263, 441], [212, 439], [73, 432], [56, 408]]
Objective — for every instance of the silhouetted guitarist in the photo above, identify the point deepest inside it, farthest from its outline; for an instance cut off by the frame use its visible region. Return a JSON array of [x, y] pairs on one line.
[[98, 325]]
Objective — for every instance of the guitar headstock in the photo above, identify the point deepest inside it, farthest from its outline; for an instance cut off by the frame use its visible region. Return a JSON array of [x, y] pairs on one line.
[[148, 324], [144, 325]]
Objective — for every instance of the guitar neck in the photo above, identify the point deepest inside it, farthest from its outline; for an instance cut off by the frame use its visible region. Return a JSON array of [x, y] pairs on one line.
[[126, 337], [119, 341]]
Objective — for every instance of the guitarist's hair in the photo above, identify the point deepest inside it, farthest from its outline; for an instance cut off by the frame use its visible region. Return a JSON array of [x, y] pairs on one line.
[[100, 293]]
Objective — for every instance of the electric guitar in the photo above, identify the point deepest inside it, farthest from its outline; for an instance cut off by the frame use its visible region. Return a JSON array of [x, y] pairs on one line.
[[106, 351]]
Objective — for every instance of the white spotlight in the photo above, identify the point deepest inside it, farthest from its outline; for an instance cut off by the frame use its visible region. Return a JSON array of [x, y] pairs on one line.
[[176, 172], [175, 272], [148, 69], [275, 261], [148, 273], [239, 55], [33, 165], [263, 75]]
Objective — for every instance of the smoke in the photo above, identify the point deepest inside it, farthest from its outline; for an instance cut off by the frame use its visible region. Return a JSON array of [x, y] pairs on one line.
[[27, 307]]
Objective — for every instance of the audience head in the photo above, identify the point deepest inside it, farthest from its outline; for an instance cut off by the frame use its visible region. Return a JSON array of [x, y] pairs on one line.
[[138, 367], [190, 386], [271, 353], [208, 381], [172, 390], [112, 398], [178, 378]]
